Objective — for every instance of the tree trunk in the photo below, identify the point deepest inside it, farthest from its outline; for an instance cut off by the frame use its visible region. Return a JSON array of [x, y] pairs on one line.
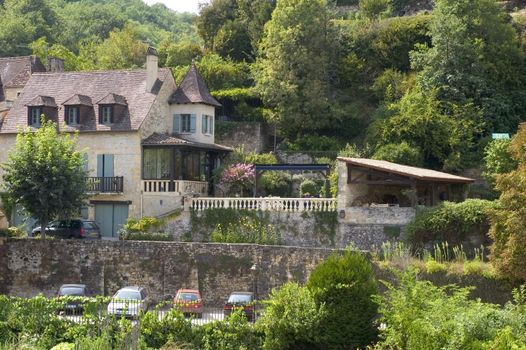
[[43, 226]]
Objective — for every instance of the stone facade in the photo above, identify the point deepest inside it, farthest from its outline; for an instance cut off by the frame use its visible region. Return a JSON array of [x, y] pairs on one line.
[[30, 267]]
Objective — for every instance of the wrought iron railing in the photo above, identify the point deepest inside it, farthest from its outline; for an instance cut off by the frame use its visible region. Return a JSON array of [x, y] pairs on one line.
[[113, 184]]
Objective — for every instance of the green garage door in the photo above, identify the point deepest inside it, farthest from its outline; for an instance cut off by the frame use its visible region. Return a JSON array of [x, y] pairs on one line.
[[111, 217]]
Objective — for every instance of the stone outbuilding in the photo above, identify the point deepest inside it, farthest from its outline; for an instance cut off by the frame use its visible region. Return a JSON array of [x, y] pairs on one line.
[[379, 192]]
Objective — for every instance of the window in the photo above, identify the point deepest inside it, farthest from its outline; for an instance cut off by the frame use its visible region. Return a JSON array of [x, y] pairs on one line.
[[156, 163], [72, 116], [106, 115], [184, 123], [105, 165], [208, 124], [34, 116]]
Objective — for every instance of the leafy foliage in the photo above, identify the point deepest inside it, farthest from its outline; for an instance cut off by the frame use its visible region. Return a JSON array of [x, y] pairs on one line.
[[498, 160], [419, 315], [450, 221], [508, 221], [344, 285], [400, 153], [246, 230], [45, 173]]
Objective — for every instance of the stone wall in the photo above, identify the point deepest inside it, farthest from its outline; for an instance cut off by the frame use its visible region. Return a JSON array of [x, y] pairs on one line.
[[251, 136], [29, 267], [307, 229], [378, 215]]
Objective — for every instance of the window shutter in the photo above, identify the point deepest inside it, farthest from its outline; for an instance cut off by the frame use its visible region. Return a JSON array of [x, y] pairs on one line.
[[177, 124], [108, 165], [211, 122], [192, 123], [203, 124], [100, 165]]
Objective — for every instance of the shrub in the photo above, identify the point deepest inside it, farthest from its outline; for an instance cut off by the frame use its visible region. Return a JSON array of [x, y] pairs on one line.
[[143, 236], [497, 160], [401, 153], [345, 284], [421, 316], [13, 232], [157, 331], [141, 225], [291, 319], [275, 183], [433, 266], [246, 230], [450, 222], [309, 188], [233, 334]]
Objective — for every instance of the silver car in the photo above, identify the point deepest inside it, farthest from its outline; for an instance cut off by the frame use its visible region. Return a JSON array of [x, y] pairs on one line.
[[129, 302]]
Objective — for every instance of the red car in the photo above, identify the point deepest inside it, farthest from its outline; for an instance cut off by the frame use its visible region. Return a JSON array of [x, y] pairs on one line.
[[189, 302]]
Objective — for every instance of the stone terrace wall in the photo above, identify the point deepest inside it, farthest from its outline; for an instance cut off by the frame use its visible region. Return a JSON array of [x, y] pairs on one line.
[[251, 136], [29, 267]]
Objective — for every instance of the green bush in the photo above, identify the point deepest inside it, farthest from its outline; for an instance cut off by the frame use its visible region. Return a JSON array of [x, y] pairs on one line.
[[421, 316], [141, 225], [142, 236], [275, 183], [246, 230], [451, 222], [13, 232], [236, 333], [292, 319], [345, 284], [156, 331], [309, 188], [401, 153], [433, 266]]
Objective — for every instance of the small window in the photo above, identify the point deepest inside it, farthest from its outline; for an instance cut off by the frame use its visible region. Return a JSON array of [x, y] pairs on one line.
[[208, 124], [186, 123], [34, 116], [106, 115], [72, 116]]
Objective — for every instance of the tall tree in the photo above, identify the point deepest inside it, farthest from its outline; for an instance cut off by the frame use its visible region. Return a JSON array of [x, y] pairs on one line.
[[123, 49], [45, 174], [475, 56], [508, 221], [292, 71]]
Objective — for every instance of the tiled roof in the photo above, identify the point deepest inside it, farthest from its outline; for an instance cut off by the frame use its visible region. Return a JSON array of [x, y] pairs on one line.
[[156, 139], [42, 101], [405, 170], [77, 100], [16, 71], [112, 98], [193, 89], [130, 85]]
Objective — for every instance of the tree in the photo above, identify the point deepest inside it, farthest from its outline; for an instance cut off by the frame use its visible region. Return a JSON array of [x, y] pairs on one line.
[[292, 71], [123, 49], [475, 57], [498, 160], [45, 175], [401, 153], [374, 9], [508, 221], [344, 285]]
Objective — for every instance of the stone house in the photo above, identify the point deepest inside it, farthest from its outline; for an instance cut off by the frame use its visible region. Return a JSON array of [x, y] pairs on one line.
[[147, 142], [379, 192]]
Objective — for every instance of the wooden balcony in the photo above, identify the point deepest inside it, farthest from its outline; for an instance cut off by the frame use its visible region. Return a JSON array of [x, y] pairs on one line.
[[113, 184]]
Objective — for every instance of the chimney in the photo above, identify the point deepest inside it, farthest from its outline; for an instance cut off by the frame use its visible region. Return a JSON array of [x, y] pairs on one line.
[[55, 64], [151, 68]]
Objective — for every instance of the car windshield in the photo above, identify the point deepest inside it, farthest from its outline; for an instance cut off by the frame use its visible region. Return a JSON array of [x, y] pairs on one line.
[[187, 296], [240, 298], [127, 295], [90, 225], [77, 291]]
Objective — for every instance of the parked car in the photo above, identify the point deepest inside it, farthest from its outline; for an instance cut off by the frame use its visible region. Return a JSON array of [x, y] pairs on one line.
[[73, 290], [129, 302], [189, 302], [243, 301], [76, 228]]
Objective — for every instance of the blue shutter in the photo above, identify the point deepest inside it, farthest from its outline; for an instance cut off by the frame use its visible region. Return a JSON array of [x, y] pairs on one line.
[[100, 165], [177, 124], [108, 165], [192, 123], [211, 124], [203, 124]]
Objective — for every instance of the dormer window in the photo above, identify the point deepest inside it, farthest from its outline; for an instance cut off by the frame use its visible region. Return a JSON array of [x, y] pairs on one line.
[[106, 115], [34, 116], [208, 124], [72, 115]]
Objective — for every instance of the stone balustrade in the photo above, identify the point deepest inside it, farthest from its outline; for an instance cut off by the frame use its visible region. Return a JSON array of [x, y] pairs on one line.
[[264, 204], [180, 186]]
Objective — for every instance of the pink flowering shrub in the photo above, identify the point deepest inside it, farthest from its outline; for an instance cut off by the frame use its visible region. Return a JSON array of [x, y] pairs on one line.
[[239, 176]]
